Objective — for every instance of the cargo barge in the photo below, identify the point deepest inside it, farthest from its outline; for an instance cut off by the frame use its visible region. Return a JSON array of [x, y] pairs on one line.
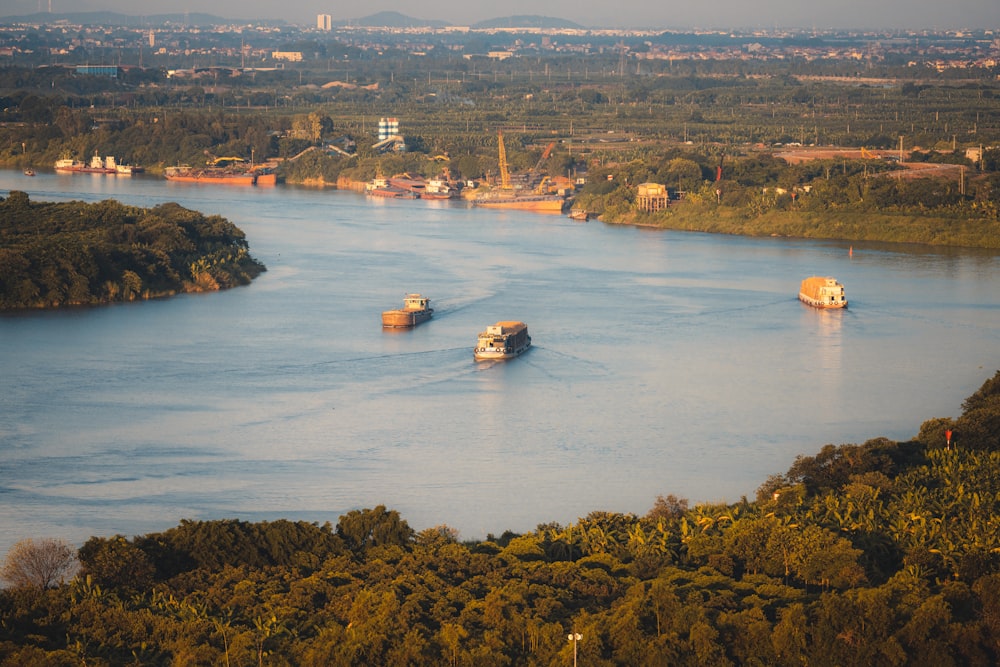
[[537, 203], [382, 187], [97, 165], [822, 292], [416, 309], [503, 340], [214, 176]]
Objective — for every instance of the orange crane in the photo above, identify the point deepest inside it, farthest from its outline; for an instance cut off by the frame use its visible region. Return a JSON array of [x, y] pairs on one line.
[[545, 155], [538, 165], [504, 174]]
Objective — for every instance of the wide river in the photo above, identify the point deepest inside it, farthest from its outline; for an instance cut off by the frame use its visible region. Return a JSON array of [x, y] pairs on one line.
[[662, 362]]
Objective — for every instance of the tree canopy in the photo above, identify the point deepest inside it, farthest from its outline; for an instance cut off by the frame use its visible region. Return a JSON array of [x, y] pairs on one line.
[[74, 253], [879, 553]]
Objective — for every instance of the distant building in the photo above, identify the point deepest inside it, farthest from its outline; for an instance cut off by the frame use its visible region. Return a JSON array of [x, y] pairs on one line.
[[324, 22], [651, 197], [98, 70], [291, 56], [387, 128]]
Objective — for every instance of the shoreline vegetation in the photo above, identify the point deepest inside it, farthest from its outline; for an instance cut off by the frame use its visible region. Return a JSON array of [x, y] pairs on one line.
[[830, 195], [848, 225], [902, 228], [877, 553], [78, 254]]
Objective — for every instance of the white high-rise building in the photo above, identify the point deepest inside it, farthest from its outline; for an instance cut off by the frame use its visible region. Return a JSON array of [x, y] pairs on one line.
[[387, 127], [324, 22]]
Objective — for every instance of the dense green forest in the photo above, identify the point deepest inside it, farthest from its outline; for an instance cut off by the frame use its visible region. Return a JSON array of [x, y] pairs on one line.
[[882, 553], [74, 253]]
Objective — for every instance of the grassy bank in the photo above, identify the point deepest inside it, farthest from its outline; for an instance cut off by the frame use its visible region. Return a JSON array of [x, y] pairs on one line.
[[847, 226]]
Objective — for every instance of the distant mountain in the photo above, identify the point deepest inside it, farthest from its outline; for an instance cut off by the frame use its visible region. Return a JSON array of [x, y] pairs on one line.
[[528, 21], [114, 18], [394, 20]]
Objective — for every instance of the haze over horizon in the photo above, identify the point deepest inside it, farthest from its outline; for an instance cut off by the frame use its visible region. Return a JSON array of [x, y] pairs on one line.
[[859, 14]]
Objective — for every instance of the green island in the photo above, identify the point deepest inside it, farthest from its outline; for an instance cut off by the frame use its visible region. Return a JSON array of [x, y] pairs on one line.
[[75, 253], [880, 553]]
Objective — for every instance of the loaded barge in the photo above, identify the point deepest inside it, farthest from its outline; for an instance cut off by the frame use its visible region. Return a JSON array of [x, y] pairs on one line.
[[822, 292], [503, 340], [416, 309]]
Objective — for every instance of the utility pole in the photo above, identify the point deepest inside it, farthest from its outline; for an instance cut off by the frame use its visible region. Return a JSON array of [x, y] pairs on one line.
[[575, 637]]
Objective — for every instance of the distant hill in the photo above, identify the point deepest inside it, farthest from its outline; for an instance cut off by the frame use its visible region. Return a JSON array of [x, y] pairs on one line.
[[394, 20], [528, 21], [115, 19], [378, 20]]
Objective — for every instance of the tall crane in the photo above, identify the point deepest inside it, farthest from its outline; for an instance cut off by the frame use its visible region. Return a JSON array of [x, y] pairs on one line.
[[545, 155], [504, 174], [540, 181]]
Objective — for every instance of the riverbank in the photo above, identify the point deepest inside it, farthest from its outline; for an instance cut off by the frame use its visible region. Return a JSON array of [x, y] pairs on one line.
[[843, 226]]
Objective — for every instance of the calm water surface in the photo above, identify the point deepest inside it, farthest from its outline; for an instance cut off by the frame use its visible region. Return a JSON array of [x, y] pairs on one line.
[[663, 362]]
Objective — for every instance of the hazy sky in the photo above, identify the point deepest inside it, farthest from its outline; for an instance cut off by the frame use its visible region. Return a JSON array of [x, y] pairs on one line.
[[592, 13]]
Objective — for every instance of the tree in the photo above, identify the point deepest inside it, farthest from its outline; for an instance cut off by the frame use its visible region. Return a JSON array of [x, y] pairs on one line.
[[361, 529], [670, 507], [683, 173], [116, 563], [38, 564]]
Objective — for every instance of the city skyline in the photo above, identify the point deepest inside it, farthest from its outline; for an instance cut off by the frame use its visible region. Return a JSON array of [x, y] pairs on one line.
[[709, 14]]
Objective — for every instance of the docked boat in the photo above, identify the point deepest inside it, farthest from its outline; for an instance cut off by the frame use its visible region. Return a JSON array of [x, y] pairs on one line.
[[210, 175], [438, 189], [97, 165], [266, 177], [822, 292], [416, 309], [523, 202], [381, 187], [503, 340]]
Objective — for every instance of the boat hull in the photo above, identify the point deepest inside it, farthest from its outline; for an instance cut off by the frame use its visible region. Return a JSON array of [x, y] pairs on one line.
[[85, 170], [539, 204], [824, 305], [486, 354], [215, 179], [404, 319]]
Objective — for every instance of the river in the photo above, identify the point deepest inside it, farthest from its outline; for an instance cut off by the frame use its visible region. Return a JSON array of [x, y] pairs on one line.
[[662, 363]]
